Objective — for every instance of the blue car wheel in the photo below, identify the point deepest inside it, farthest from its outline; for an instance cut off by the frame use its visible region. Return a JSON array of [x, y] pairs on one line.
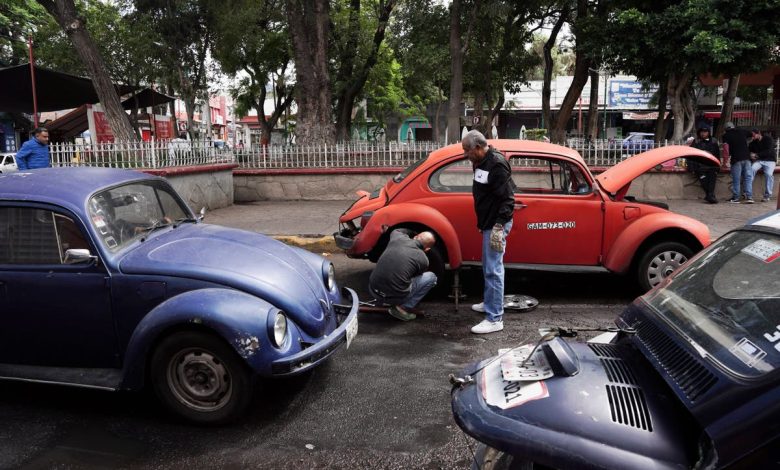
[[200, 378]]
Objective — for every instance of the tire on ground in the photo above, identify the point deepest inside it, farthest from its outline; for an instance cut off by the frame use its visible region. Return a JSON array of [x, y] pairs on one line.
[[658, 261], [200, 378]]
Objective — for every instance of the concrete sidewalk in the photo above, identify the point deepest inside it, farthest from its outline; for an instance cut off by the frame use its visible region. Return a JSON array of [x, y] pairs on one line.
[[312, 223]]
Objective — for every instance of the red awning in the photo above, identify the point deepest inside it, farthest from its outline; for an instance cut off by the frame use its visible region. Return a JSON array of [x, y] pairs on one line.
[[734, 115]]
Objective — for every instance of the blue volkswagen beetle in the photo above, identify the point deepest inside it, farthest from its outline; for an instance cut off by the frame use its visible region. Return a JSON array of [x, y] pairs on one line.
[[690, 378], [108, 281]]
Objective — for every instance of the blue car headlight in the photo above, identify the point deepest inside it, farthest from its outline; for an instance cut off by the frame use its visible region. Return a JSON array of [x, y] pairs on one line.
[[279, 330], [328, 275]]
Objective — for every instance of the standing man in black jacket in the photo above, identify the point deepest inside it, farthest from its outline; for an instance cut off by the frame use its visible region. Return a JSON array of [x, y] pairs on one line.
[[706, 173], [741, 169], [762, 152], [493, 191]]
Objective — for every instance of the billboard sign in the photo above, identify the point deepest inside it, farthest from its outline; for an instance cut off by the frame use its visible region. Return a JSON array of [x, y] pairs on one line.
[[630, 94]]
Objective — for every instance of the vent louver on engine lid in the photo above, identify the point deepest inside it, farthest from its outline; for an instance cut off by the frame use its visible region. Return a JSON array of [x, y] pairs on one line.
[[693, 379]]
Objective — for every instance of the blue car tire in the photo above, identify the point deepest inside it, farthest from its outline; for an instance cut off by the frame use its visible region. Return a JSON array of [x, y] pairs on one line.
[[200, 378]]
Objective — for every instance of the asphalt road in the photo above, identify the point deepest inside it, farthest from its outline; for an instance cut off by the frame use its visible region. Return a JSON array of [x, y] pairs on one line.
[[384, 403]]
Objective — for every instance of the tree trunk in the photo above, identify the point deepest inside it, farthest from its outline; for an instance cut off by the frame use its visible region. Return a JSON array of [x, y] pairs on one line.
[[593, 106], [64, 11], [492, 112], [660, 121], [581, 71], [436, 133], [456, 69], [548, 69], [677, 84], [728, 104], [309, 24], [558, 134], [688, 109]]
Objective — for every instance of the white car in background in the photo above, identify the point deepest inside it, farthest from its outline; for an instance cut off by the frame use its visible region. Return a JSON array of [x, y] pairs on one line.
[[8, 163]]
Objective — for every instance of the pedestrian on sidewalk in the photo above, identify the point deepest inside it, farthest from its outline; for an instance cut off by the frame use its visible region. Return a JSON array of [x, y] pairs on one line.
[[762, 153], [35, 152], [493, 191], [400, 278], [705, 172], [741, 167]]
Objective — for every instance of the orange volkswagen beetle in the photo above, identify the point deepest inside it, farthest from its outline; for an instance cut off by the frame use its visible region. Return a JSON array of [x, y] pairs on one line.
[[565, 218]]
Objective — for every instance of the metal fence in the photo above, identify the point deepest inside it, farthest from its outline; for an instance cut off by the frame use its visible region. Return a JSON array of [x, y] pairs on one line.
[[153, 155]]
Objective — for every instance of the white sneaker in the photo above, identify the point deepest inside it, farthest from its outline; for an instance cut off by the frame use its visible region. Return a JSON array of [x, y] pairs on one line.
[[480, 307], [487, 326]]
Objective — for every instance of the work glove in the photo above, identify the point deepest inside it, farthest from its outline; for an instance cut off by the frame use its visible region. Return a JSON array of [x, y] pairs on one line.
[[497, 240]]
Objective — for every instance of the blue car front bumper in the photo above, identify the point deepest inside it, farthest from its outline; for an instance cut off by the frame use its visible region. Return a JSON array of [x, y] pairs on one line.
[[317, 353]]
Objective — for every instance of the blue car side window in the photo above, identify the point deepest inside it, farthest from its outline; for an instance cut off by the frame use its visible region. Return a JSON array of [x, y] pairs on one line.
[[31, 236]]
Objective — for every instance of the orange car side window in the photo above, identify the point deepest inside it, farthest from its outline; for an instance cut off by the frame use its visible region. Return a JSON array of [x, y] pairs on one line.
[[453, 177]]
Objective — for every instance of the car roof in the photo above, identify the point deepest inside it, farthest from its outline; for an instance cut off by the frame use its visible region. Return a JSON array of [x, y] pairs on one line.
[[509, 145], [70, 186], [770, 220]]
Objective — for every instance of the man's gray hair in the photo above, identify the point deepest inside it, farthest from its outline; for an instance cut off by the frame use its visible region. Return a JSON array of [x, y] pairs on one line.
[[473, 139]]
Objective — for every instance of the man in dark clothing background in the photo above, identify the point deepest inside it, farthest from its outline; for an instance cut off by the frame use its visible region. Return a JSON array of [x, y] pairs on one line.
[[706, 173], [494, 201], [741, 169], [762, 153], [400, 277]]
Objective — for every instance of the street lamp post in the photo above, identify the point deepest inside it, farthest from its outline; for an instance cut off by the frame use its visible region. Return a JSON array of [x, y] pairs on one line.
[[606, 79]]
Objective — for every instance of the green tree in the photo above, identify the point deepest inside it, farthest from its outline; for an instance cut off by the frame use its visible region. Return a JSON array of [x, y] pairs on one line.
[[74, 25], [18, 20], [358, 32], [419, 39], [181, 41], [251, 38]]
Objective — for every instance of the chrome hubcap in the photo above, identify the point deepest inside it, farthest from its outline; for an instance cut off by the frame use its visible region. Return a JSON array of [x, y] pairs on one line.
[[663, 265], [199, 380]]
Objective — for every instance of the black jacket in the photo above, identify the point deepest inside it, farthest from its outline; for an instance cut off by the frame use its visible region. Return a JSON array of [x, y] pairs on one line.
[[710, 145], [493, 190], [402, 260], [738, 147], [764, 148]]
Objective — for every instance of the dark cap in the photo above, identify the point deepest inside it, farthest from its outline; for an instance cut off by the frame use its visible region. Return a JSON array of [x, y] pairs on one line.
[[755, 131], [703, 128]]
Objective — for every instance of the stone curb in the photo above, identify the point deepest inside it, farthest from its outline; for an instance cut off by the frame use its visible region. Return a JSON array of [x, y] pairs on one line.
[[325, 244]]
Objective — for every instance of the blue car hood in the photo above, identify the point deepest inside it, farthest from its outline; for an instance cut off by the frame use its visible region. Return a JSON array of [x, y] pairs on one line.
[[243, 260]]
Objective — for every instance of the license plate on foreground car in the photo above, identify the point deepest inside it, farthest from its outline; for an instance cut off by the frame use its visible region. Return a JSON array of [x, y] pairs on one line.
[[517, 366], [352, 330]]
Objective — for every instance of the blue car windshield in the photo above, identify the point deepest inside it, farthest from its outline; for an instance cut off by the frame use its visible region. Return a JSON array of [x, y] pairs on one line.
[[130, 212], [726, 302]]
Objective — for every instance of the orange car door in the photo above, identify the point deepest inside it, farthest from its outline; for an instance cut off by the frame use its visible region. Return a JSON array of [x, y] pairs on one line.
[[558, 219], [449, 192]]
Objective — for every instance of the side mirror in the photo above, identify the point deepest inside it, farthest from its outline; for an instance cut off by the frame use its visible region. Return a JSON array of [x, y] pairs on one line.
[[78, 255], [201, 214]]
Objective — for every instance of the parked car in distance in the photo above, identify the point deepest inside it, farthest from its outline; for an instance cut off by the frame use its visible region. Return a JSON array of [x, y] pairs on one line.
[[637, 142], [565, 218], [688, 379], [8, 163], [108, 281]]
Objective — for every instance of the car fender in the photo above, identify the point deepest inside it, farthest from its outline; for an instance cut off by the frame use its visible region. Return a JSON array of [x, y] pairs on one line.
[[623, 249], [413, 213], [239, 318]]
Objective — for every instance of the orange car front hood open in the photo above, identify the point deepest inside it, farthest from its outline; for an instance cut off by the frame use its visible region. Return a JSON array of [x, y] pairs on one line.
[[626, 171]]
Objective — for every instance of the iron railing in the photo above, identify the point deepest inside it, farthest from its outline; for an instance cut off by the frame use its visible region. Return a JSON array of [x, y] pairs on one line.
[[154, 155]]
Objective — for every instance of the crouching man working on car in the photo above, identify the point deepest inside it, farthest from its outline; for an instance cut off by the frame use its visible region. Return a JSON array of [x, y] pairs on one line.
[[400, 277], [494, 202]]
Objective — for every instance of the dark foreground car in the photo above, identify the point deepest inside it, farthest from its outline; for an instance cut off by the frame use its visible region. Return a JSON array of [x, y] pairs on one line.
[[108, 281], [691, 380]]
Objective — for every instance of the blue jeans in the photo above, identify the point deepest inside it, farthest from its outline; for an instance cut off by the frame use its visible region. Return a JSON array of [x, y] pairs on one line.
[[769, 175], [739, 170], [420, 286], [493, 271]]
